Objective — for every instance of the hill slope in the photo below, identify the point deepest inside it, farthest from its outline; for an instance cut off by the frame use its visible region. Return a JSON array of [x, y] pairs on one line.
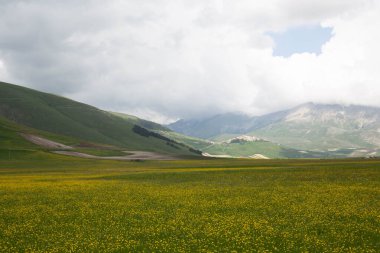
[[63, 116], [194, 142]]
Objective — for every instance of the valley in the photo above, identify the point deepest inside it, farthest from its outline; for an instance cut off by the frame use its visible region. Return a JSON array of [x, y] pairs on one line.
[[189, 126], [307, 131], [74, 178]]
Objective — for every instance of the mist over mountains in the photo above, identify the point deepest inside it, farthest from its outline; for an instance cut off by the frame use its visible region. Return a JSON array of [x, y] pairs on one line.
[[308, 126], [306, 131]]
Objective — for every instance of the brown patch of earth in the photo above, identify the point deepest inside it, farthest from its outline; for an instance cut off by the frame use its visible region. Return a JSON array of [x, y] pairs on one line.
[[66, 150], [40, 141], [134, 155], [93, 145]]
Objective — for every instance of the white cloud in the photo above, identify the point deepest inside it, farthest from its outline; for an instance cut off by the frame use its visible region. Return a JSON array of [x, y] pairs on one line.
[[3, 72], [169, 59]]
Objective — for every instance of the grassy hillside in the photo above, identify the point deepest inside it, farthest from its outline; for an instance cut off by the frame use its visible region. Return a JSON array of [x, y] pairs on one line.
[[194, 142], [10, 139], [268, 149], [66, 117], [141, 122], [13, 144]]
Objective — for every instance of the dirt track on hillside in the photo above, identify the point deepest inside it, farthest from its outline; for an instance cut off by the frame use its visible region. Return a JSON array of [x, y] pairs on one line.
[[136, 155], [45, 142], [67, 150]]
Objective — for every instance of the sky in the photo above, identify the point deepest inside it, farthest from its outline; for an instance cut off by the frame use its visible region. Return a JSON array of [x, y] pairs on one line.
[[169, 59], [301, 39]]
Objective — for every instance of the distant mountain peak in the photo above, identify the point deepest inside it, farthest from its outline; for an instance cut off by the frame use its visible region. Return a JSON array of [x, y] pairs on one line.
[[313, 126], [313, 112]]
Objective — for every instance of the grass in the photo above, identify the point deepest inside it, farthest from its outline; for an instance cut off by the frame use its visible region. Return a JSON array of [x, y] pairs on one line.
[[246, 149], [188, 140], [268, 149], [102, 152], [52, 203], [65, 117], [12, 144]]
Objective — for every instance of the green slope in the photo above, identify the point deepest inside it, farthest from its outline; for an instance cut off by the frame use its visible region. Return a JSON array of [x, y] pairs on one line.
[[193, 142], [12, 143], [196, 143], [66, 117], [220, 146], [245, 149], [10, 139], [141, 122]]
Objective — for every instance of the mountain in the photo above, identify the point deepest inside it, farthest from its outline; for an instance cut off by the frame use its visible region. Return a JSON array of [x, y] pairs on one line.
[[325, 127], [308, 130], [224, 125], [318, 127], [235, 123], [61, 122], [65, 117]]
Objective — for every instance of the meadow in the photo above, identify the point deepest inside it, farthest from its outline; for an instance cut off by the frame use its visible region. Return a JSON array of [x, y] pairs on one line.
[[52, 203]]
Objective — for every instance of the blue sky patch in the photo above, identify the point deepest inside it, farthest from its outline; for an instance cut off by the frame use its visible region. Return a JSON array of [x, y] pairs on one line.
[[302, 39]]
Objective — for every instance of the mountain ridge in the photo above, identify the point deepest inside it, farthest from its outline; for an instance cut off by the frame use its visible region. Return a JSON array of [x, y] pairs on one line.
[[309, 126]]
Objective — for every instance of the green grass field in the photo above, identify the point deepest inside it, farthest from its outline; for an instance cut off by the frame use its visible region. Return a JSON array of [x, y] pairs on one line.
[[52, 203]]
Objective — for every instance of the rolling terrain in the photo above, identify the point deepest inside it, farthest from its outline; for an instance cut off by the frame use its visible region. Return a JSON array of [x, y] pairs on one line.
[[347, 130], [18, 141], [194, 142], [51, 202], [232, 148], [307, 131], [81, 123]]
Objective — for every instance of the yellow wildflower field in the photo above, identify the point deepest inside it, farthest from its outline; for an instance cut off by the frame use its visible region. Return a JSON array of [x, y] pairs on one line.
[[78, 205]]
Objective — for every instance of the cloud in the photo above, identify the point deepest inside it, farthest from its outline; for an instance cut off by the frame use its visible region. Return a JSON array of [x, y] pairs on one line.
[[176, 59], [3, 71]]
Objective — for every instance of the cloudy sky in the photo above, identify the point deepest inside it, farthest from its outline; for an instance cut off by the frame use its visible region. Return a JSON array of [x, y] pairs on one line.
[[170, 59]]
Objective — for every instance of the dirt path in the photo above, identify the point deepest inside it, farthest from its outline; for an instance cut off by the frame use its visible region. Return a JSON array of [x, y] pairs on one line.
[[68, 150], [45, 142], [136, 155]]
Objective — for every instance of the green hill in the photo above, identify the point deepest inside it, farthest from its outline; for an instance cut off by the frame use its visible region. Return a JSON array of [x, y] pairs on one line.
[[141, 122], [194, 142], [62, 116], [10, 139], [222, 146]]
